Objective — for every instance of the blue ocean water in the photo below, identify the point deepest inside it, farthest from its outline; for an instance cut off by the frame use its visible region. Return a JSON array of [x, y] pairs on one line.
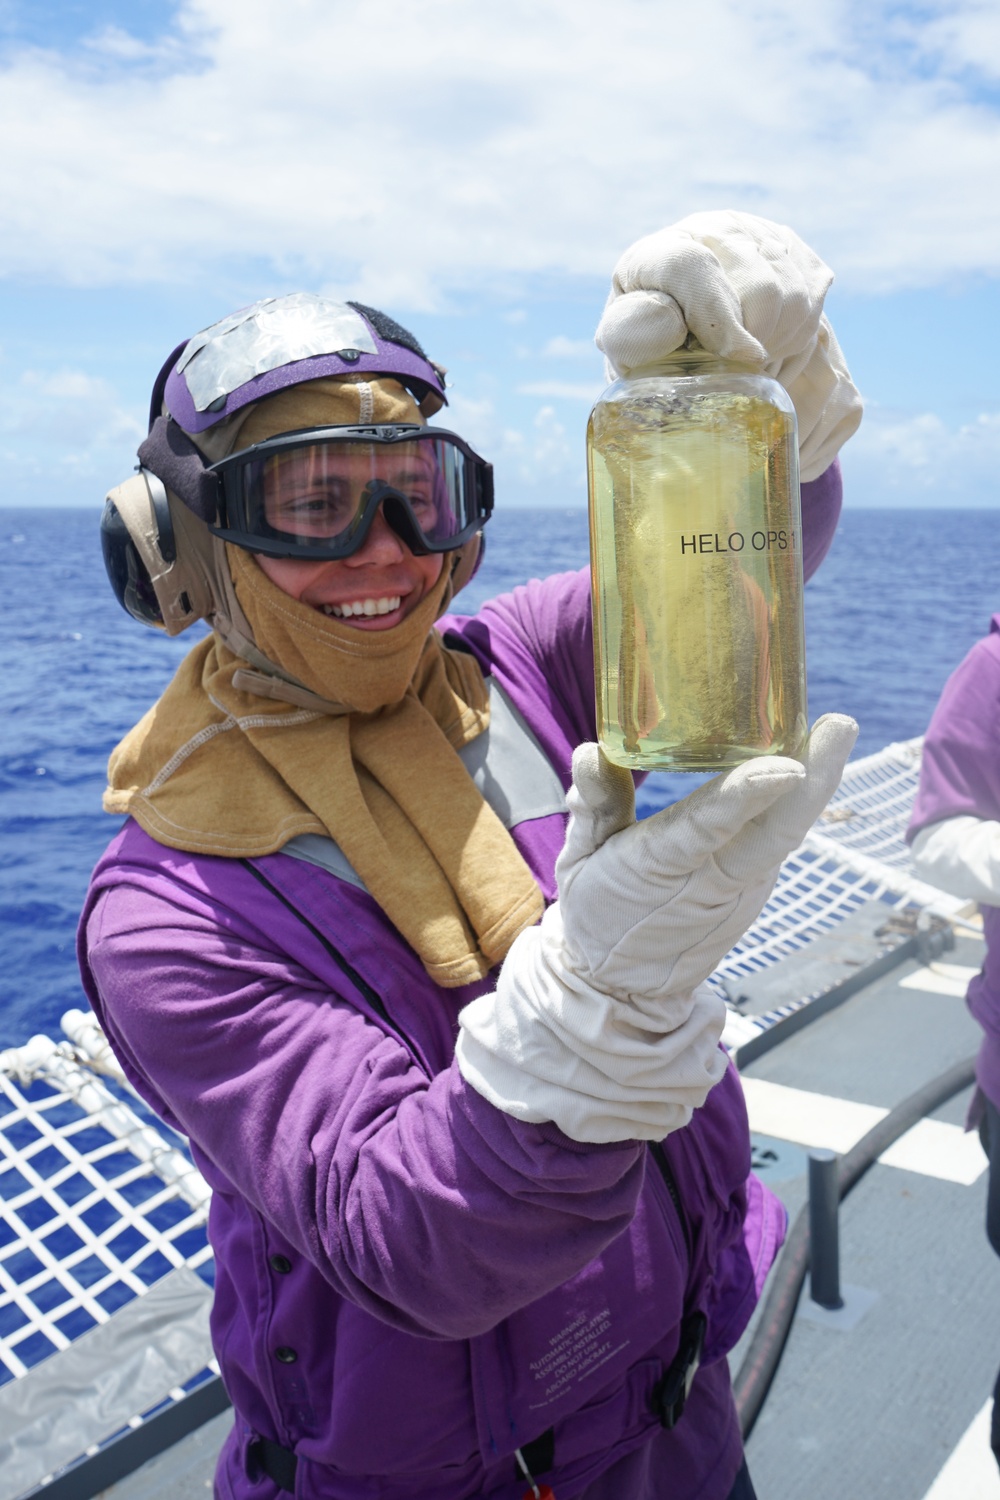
[[900, 599]]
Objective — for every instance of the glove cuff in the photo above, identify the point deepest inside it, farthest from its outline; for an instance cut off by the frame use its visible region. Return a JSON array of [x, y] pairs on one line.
[[548, 1046]]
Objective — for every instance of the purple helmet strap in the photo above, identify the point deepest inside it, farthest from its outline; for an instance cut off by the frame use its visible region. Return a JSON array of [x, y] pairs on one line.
[[159, 386], [237, 372], [169, 453]]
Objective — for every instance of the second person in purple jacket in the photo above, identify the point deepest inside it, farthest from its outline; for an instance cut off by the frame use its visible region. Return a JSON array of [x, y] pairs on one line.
[[955, 836]]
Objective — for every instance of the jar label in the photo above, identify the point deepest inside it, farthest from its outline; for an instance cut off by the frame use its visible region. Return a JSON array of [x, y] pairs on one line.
[[698, 542]]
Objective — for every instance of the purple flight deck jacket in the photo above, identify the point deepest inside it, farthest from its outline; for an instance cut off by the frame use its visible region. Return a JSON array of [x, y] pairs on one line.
[[960, 777], [410, 1284]]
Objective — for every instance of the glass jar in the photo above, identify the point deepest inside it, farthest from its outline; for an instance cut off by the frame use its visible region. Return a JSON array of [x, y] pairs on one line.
[[696, 564]]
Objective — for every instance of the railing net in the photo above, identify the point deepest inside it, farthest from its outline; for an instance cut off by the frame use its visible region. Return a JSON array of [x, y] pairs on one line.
[[96, 1207], [854, 853]]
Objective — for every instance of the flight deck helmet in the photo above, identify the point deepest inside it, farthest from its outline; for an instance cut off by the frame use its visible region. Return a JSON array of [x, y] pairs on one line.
[[163, 531]]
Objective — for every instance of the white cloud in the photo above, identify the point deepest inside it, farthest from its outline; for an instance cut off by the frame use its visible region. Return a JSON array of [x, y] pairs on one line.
[[551, 454], [120, 46], [919, 459], [66, 438], [407, 150], [538, 462], [561, 347], [964, 37], [567, 390], [475, 418], [67, 385]]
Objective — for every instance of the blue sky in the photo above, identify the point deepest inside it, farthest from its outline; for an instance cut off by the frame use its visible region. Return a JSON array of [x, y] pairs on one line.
[[476, 171]]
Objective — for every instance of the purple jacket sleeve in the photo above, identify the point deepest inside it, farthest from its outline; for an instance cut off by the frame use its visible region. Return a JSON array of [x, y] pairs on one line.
[[394, 1185], [960, 767], [822, 499]]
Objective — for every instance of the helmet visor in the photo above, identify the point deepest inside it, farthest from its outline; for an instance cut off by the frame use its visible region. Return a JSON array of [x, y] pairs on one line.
[[315, 494]]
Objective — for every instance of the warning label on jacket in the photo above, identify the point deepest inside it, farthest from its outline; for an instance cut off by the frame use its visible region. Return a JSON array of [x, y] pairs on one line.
[[574, 1352]]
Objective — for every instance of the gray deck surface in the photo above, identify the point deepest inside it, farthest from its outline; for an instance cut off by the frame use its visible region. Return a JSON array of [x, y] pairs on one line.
[[876, 1410], [183, 1472]]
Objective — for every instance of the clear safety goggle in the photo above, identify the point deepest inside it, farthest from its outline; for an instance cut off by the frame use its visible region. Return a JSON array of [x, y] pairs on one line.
[[315, 494]]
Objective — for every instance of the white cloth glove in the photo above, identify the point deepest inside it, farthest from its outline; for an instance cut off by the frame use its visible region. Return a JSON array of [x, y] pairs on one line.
[[749, 290], [600, 1020], [961, 856]]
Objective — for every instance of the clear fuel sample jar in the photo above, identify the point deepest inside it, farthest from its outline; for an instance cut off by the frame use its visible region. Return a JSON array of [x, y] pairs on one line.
[[696, 563]]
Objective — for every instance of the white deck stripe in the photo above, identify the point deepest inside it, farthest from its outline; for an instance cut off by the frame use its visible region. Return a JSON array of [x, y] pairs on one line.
[[933, 1148], [806, 1118], [938, 1150], [971, 1471], [940, 979]]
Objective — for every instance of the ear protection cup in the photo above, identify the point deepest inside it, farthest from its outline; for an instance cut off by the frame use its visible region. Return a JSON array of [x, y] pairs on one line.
[[152, 581], [127, 573]]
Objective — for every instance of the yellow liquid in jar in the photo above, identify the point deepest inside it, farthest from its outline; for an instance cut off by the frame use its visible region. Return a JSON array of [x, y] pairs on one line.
[[696, 558]]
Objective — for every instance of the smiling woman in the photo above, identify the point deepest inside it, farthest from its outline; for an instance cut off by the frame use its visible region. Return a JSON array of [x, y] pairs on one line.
[[422, 1029]]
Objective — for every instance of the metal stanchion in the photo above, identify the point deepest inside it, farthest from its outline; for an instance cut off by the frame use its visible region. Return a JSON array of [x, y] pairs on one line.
[[824, 1233]]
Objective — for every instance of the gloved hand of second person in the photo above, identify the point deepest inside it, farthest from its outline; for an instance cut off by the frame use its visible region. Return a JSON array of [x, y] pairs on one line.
[[600, 1020], [749, 290]]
